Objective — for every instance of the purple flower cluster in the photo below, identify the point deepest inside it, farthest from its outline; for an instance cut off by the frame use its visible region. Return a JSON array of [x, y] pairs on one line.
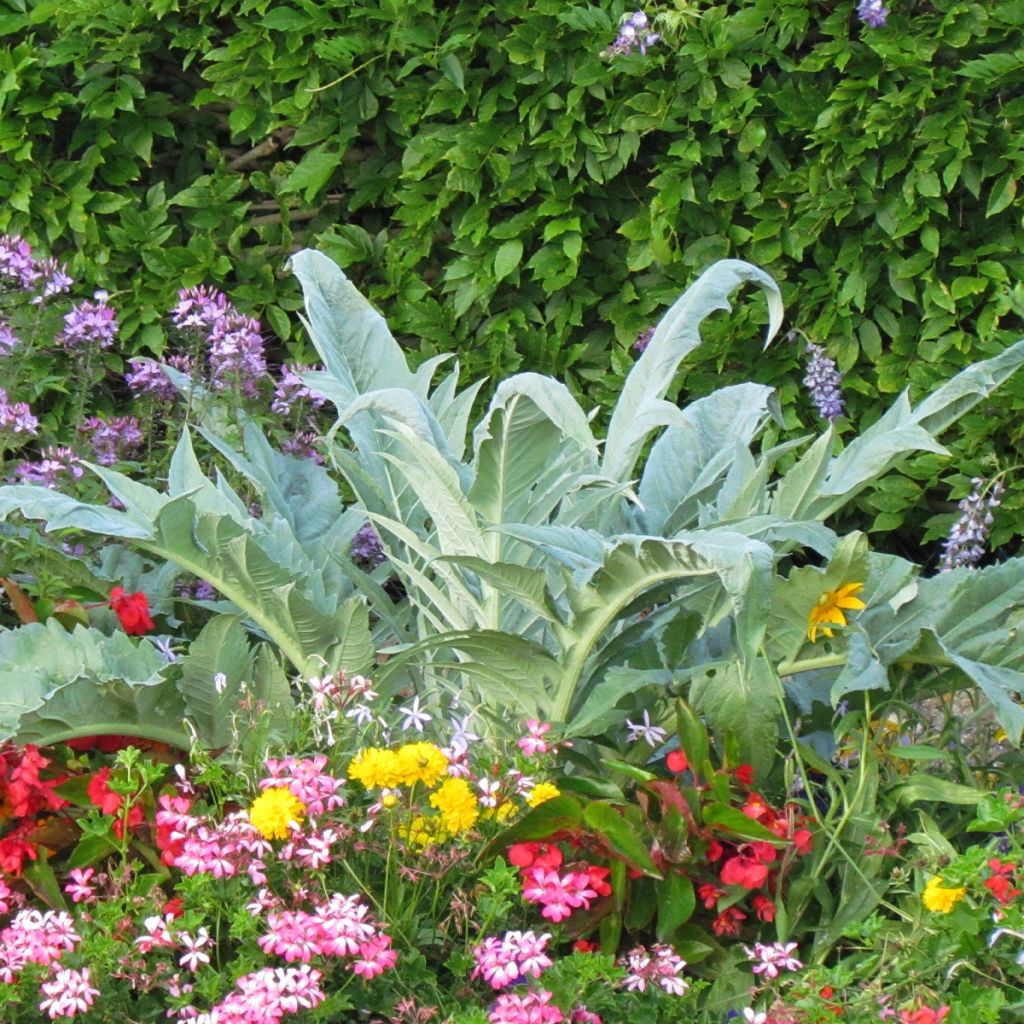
[[303, 446], [200, 590], [146, 378], [115, 441], [18, 265], [366, 550], [291, 390], [968, 536], [53, 464], [872, 12], [8, 340], [823, 380], [643, 339], [235, 356], [633, 35], [89, 325], [16, 417]]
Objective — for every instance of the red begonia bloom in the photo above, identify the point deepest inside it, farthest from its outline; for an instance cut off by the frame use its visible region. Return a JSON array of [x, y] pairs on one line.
[[100, 793], [745, 871], [132, 610], [728, 922], [764, 908], [745, 775], [677, 762]]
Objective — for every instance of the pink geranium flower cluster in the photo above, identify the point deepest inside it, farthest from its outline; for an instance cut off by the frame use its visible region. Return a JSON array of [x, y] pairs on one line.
[[559, 894], [306, 780], [657, 966], [263, 997], [340, 927], [531, 1008], [197, 845], [35, 937], [518, 955]]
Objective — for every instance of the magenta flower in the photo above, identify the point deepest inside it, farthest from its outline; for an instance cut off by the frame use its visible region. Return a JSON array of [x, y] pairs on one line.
[[533, 742], [69, 993]]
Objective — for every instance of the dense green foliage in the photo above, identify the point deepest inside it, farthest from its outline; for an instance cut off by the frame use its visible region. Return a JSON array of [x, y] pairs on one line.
[[554, 200]]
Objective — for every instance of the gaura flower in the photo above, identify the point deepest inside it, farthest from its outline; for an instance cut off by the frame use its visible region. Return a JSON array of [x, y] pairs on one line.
[[831, 609], [132, 610], [275, 811], [939, 899]]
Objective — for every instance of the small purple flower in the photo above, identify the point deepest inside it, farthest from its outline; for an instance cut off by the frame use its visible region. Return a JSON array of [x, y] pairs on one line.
[[200, 590], [16, 262], [199, 309], [366, 550], [236, 354], [115, 441], [89, 325], [823, 380], [292, 389], [633, 35], [303, 446], [968, 536], [643, 339], [53, 464], [872, 12], [16, 417], [55, 280], [8, 340], [146, 378]]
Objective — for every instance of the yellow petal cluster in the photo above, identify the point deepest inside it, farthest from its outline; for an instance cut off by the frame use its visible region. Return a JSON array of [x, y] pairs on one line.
[[376, 768], [831, 609], [938, 898], [541, 792], [458, 805], [274, 812]]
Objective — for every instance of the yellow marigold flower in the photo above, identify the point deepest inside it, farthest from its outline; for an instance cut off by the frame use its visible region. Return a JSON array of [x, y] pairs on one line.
[[939, 899], [274, 811], [831, 609], [457, 804], [421, 762], [541, 792], [422, 832], [500, 814], [376, 768]]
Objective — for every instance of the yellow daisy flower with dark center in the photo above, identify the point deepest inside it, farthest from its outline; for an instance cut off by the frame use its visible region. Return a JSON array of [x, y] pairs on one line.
[[831, 609], [275, 811]]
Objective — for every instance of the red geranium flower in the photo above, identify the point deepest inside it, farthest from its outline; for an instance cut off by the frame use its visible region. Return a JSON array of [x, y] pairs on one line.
[[100, 793], [132, 610]]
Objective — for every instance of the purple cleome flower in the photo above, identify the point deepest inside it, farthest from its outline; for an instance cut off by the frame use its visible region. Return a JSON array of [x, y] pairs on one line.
[[872, 12], [236, 354], [291, 389], [16, 417], [303, 446], [643, 339], [366, 550], [52, 466], [89, 325], [199, 309], [55, 280], [968, 536], [822, 380], [8, 340], [114, 441], [633, 35], [16, 262]]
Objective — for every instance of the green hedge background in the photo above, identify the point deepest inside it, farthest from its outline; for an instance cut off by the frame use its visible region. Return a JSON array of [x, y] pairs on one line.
[[501, 189]]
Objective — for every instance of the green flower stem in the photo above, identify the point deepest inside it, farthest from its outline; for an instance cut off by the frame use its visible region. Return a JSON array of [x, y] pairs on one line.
[[793, 668]]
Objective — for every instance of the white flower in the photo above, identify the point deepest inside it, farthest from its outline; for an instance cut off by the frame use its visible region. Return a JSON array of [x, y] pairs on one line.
[[652, 734], [415, 718]]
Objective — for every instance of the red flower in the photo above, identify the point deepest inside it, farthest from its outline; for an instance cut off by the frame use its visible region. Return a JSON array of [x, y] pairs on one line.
[[709, 894], [728, 922], [764, 908], [27, 793], [598, 879], [676, 762], [132, 610], [175, 907], [586, 946], [803, 840], [745, 871], [999, 884], [100, 793], [715, 851], [134, 817], [529, 855], [923, 1015], [745, 775], [764, 852]]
